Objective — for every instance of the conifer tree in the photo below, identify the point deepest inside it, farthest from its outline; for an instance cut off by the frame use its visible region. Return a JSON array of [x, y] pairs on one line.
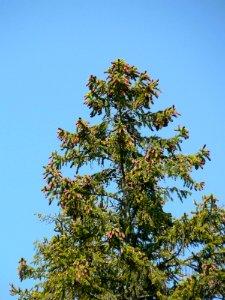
[[114, 239]]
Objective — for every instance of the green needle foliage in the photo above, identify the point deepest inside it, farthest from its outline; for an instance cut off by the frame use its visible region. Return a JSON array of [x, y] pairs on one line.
[[113, 237]]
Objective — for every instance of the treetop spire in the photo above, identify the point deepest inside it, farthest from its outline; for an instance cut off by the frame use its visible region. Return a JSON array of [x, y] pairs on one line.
[[114, 238]]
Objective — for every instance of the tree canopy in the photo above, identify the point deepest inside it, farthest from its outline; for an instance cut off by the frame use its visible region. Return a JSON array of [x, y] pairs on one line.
[[114, 238]]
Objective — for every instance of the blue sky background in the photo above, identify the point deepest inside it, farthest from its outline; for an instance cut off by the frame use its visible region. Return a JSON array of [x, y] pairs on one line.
[[49, 48]]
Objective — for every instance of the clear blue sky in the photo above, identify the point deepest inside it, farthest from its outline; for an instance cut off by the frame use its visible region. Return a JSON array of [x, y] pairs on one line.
[[48, 48]]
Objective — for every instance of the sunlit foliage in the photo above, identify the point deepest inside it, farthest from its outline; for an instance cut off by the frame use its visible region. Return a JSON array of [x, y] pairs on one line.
[[113, 237]]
